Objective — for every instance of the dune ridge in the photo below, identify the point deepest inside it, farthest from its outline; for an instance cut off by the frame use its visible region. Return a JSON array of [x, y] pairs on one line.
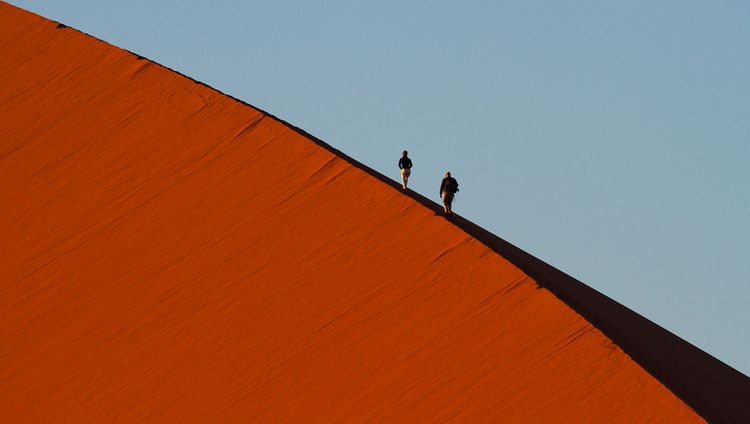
[[172, 253]]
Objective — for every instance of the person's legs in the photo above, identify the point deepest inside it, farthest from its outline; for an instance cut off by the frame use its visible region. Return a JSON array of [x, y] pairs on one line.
[[447, 200], [405, 172]]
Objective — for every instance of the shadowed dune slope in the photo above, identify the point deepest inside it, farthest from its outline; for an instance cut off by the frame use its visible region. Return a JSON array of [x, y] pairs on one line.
[[170, 253]]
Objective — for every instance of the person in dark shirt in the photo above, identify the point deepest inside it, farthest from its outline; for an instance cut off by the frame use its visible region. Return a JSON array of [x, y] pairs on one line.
[[404, 164], [448, 189]]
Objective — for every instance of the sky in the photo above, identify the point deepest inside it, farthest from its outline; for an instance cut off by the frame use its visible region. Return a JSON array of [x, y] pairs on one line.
[[610, 139]]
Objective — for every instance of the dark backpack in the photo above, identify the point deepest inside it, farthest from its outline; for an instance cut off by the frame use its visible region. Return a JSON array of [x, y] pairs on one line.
[[453, 185]]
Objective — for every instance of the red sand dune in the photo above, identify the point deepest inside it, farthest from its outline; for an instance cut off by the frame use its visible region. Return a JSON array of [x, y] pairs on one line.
[[169, 253]]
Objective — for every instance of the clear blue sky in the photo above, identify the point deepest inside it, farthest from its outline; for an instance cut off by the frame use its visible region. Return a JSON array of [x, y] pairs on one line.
[[611, 139]]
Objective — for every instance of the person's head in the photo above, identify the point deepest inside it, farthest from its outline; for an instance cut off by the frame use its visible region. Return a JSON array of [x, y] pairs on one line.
[[447, 173], [404, 153]]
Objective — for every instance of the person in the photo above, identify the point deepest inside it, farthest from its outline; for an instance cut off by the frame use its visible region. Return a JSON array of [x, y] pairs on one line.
[[404, 164], [448, 189]]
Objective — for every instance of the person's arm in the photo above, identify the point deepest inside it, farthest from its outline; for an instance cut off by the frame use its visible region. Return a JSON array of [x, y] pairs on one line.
[[442, 187], [399, 164]]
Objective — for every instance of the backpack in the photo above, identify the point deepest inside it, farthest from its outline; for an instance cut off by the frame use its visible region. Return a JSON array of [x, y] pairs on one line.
[[453, 185]]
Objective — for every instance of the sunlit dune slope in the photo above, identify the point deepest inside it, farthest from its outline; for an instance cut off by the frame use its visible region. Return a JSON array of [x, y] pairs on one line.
[[169, 253]]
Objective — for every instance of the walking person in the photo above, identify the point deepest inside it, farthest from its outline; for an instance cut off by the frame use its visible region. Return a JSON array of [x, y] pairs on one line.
[[448, 189], [404, 164]]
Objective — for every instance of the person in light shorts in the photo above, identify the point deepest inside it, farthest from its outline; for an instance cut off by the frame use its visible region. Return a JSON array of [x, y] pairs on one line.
[[405, 165], [448, 190]]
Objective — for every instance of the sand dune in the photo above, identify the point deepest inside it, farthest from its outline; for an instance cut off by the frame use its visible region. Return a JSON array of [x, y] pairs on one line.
[[170, 253]]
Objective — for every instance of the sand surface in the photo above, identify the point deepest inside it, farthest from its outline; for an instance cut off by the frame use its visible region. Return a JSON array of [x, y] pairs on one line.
[[171, 254]]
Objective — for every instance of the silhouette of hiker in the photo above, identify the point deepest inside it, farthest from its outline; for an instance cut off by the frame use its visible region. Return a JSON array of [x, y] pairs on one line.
[[404, 164], [448, 189]]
